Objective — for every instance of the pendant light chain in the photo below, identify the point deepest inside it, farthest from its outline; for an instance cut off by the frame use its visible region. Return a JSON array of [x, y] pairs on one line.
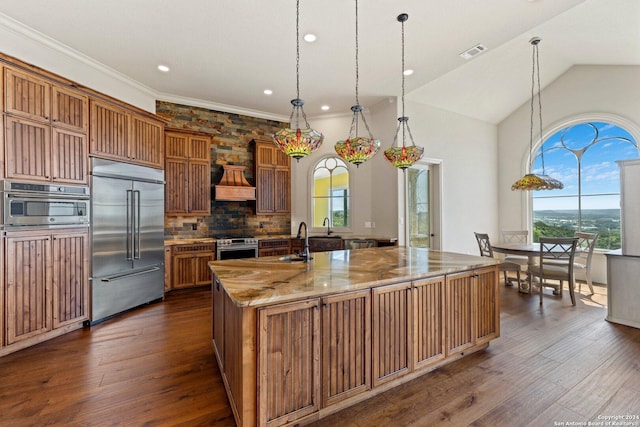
[[402, 23], [539, 107], [357, 68], [298, 49]]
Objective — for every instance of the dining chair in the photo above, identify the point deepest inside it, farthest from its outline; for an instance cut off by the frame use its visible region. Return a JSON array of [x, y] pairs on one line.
[[484, 244], [584, 253], [516, 236], [556, 262]]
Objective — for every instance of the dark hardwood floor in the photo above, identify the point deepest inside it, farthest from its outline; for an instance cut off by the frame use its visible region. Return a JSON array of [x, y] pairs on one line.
[[155, 366]]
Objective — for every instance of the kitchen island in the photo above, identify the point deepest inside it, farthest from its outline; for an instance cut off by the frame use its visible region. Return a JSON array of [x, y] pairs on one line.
[[298, 341]]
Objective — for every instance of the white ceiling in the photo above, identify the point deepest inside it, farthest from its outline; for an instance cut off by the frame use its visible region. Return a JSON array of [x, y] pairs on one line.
[[225, 53]]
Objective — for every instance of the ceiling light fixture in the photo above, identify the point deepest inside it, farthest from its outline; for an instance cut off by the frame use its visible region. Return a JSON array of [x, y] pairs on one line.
[[325, 108], [163, 68], [296, 142], [532, 181], [310, 38], [356, 149], [405, 156], [408, 72], [268, 92]]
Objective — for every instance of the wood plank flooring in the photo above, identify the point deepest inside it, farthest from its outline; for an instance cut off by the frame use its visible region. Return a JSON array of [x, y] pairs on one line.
[[155, 366]]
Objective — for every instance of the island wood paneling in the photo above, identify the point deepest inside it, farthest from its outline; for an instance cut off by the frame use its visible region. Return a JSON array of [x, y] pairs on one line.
[[428, 321], [346, 346], [391, 332], [459, 331], [486, 305], [288, 362]]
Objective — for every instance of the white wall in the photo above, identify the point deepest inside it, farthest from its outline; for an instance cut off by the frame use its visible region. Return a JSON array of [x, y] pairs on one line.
[[36, 49], [585, 92]]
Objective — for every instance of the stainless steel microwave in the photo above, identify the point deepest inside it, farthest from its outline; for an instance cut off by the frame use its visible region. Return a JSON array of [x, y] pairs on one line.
[[27, 204]]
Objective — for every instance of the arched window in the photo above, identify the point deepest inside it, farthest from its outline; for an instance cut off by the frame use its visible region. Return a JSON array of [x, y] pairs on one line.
[[331, 193], [583, 157]]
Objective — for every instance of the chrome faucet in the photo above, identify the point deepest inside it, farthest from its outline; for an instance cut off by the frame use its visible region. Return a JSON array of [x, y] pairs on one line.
[[306, 254], [326, 222]]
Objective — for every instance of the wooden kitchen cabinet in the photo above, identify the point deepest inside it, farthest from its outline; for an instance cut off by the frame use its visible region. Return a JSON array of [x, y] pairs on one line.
[[117, 133], [471, 318], [288, 362], [45, 130], [187, 173], [428, 321], [189, 265], [391, 332], [52, 293], [346, 346], [273, 179], [273, 247]]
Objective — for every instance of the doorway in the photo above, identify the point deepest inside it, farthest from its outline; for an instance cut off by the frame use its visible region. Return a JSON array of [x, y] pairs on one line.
[[422, 205]]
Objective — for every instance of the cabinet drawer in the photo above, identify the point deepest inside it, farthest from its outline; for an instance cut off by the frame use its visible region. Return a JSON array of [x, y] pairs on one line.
[[204, 247]]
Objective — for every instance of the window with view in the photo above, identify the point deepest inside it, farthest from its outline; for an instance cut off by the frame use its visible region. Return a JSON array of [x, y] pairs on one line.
[[331, 193], [583, 157]]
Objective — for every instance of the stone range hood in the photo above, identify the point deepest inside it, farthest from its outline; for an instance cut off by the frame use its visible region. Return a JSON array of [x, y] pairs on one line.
[[233, 186]]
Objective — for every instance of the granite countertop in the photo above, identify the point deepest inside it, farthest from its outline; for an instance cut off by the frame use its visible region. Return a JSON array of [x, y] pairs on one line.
[[196, 240], [269, 280]]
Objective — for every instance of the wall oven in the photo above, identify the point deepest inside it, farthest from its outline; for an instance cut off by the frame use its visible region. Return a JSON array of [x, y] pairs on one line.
[[26, 204], [238, 247]]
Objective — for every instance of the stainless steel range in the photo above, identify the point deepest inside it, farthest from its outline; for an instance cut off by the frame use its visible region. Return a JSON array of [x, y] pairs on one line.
[[236, 247]]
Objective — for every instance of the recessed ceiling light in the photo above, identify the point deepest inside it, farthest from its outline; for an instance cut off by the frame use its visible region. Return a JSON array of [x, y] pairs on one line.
[[163, 68], [325, 108], [268, 92], [407, 72], [309, 38]]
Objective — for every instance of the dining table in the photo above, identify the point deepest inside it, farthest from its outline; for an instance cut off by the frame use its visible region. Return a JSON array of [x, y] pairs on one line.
[[530, 250]]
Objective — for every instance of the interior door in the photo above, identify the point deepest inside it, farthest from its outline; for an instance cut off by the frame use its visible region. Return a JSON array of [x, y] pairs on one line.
[[418, 223]]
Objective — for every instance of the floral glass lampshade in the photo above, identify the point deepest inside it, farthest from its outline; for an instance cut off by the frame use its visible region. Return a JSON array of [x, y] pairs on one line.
[[294, 141], [356, 149], [403, 156], [298, 143], [532, 181]]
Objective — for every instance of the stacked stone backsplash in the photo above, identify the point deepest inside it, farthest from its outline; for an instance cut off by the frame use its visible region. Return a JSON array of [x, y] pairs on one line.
[[231, 136]]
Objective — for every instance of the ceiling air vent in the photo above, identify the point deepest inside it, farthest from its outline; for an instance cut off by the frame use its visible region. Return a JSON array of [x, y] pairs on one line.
[[476, 50]]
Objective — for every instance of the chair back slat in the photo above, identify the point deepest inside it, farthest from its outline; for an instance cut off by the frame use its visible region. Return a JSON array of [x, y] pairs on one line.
[[558, 249], [484, 244], [584, 248], [515, 236]]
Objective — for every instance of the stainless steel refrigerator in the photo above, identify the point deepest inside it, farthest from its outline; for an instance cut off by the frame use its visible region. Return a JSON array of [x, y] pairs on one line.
[[127, 223]]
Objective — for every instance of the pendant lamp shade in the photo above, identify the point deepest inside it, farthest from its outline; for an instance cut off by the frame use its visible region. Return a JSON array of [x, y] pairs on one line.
[[295, 141], [533, 181], [403, 156], [356, 149]]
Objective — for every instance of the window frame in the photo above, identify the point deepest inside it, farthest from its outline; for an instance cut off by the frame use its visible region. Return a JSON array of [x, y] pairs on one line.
[[349, 188]]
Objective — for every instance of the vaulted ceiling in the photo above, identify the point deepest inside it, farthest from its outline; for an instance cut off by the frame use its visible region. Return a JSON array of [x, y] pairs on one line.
[[225, 53]]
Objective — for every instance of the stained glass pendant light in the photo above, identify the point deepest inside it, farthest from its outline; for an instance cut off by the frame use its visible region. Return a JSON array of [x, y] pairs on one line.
[[405, 156], [296, 142], [356, 149], [532, 181]]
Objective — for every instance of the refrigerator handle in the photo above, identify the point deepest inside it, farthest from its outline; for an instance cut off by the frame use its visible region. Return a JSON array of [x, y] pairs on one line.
[[129, 225], [136, 224]]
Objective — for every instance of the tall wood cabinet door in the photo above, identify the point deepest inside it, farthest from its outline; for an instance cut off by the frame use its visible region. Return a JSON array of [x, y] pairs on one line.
[[146, 146], [70, 109], [428, 321], [288, 362], [200, 148], [69, 157], [265, 196], [459, 323], [346, 346], [27, 148], [486, 305], [282, 190], [70, 272], [199, 190], [109, 131], [28, 285], [176, 194], [391, 332], [203, 272], [27, 95]]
